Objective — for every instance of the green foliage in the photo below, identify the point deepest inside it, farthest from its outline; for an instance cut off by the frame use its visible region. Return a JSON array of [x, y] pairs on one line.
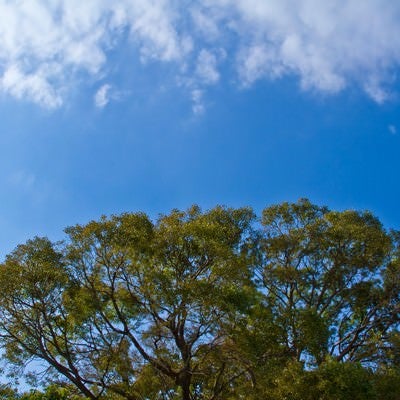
[[213, 305], [322, 271], [331, 381], [7, 393]]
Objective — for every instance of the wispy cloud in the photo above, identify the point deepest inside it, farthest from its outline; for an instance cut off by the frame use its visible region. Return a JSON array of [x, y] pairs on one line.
[[328, 45], [32, 85], [27, 185], [392, 129], [197, 102], [23, 180], [102, 96], [206, 68]]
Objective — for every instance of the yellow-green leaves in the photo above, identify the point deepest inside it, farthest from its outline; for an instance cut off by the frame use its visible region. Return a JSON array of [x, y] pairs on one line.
[[322, 273], [211, 305]]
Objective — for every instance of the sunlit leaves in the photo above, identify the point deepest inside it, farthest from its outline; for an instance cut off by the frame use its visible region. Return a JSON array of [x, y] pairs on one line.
[[210, 305]]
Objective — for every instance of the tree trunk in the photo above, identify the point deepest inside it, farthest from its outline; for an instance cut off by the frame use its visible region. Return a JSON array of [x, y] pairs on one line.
[[184, 381]]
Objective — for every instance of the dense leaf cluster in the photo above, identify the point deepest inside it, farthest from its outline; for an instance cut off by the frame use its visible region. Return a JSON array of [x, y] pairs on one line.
[[302, 303]]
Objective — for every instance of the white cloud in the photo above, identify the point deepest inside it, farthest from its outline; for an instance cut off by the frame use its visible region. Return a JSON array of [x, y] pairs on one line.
[[73, 37], [198, 107], [376, 90], [206, 68], [328, 45], [102, 96], [32, 85], [107, 93], [208, 27], [154, 26], [258, 61]]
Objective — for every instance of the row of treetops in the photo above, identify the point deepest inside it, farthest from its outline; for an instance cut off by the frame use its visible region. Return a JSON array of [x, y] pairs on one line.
[[302, 303]]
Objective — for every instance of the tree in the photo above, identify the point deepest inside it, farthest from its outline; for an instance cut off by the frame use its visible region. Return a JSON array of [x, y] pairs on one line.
[[51, 392], [332, 281], [124, 302]]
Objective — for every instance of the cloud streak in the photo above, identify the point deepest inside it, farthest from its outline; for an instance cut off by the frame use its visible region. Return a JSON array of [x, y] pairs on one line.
[[329, 46], [102, 96]]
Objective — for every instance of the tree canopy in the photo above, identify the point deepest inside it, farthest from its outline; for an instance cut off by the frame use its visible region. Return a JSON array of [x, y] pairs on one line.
[[302, 303]]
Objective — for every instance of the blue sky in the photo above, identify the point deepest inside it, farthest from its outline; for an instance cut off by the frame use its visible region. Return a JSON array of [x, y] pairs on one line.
[[153, 105]]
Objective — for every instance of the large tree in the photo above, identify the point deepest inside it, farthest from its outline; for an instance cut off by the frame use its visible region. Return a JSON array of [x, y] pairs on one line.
[[332, 281], [133, 308]]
